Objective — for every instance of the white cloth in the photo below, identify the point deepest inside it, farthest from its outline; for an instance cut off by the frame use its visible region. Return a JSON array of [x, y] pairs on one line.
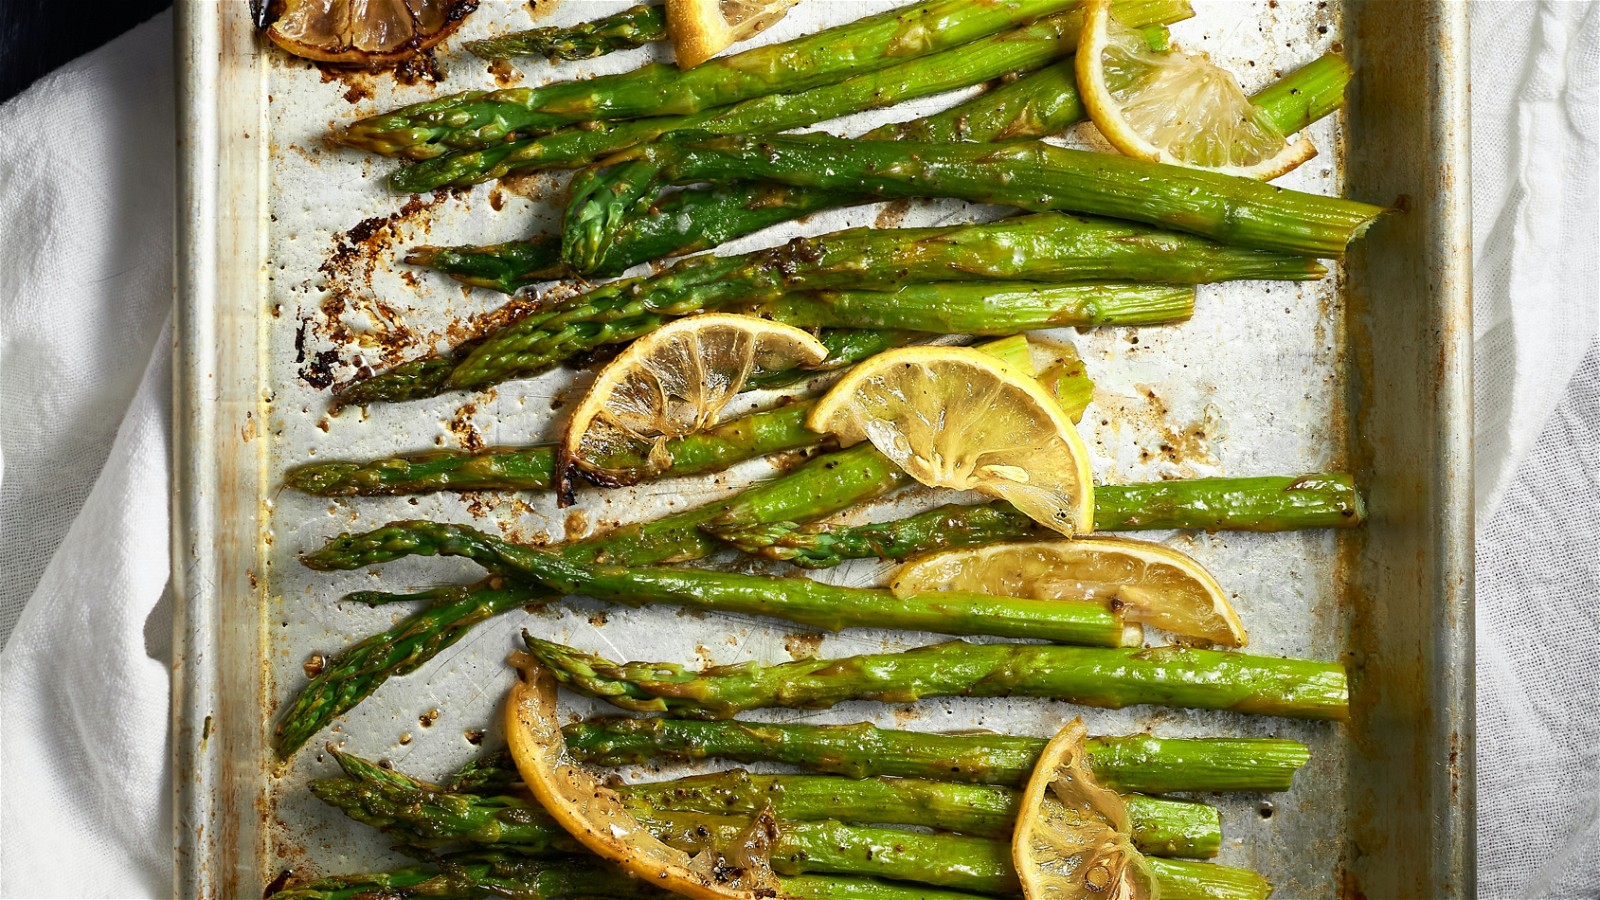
[[86, 200], [86, 162], [1535, 307]]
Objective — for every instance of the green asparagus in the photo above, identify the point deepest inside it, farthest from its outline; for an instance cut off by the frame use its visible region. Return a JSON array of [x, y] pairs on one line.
[[1019, 50], [1168, 676], [800, 600], [824, 846], [980, 863], [1273, 503], [688, 221], [825, 485], [1136, 763], [1030, 175], [1049, 248], [984, 308], [481, 119], [421, 815], [505, 874], [633, 27], [809, 492], [532, 468]]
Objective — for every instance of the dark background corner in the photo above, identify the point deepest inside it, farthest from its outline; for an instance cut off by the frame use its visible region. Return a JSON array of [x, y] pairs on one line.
[[37, 36]]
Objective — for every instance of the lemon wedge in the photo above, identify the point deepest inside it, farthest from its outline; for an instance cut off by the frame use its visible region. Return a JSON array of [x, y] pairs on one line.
[[1072, 839], [594, 814], [366, 32], [956, 417], [700, 29], [1151, 584], [674, 382], [1175, 107]]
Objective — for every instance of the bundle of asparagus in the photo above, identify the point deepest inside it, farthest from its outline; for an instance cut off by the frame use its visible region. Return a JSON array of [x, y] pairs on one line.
[[477, 119], [1036, 105], [1019, 50], [843, 833], [829, 483], [1012, 253], [825, 824]]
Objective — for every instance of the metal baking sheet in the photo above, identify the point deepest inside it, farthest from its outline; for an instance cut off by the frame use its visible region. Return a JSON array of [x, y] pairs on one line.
[[290, 281]]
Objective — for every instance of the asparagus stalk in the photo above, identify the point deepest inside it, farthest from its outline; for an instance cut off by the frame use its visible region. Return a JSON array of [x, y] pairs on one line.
[[689, 221], [1019, 50], [499, 873], [480, 119], [824, 485], [976, 864], [1307, 95], [1133, 763], [506, 874], [1030, 175], [1160, 827], [985, 308], [633, 27], [800, 600], [1049, 249], [422, 815], [532, 468], [1272, 503], [1168, 676]]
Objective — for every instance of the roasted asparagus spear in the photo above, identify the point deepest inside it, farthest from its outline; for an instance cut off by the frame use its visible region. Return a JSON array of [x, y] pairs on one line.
[[826, 484], [480, 119], [1030, 175], [633, 27], [1046, 249], [1170, 676], [1139, 762]]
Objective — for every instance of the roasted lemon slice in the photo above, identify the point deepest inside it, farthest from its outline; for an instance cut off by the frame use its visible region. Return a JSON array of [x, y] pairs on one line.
[[597, 817], [1175, 107], [1151, 583], [367, 32], [959, 418], [700, 29], [1072, 839], [674, 382]]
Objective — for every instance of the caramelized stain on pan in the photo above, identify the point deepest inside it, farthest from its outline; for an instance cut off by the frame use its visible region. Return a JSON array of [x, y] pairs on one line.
[[504, 73], [347, 282], [1185, 449], [460, 425], [893, 214], [534, 185], [804, 646]]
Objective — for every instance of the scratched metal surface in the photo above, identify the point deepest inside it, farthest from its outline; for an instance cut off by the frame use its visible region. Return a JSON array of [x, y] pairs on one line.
[[295, 285]]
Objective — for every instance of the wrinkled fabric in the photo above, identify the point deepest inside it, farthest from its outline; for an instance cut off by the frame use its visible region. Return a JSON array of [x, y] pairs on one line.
[[1536, 358], [86, 200], [86, 187]]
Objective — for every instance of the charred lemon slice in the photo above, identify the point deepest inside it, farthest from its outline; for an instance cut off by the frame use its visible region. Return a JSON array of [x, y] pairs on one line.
[[1175, 107], [1150, 583], [700, 29], [959, 418], [599, 820], [363, 32], [1072, 839], [672, 383]]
